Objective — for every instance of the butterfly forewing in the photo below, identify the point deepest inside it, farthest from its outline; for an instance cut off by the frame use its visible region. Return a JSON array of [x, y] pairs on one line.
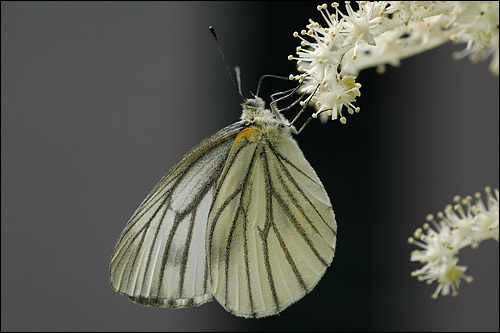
[[160, 257], [272, 230]]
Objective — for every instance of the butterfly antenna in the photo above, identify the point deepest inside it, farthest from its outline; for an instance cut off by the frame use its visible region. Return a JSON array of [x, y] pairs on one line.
[[238, 87]]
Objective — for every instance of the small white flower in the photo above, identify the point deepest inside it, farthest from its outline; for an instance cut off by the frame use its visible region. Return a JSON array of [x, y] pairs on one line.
[[486, 226], [449, 278], [357, 25], [336, 93]]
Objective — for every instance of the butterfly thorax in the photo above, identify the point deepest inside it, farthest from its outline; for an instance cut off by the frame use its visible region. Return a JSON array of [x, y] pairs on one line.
[[255, 114]]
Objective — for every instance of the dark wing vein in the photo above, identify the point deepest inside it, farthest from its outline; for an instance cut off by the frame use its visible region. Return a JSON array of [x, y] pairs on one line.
[[291, 217], [264, 234], [280, 158]]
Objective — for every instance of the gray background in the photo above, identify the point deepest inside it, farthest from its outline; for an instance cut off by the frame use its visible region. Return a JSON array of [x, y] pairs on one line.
[[100, 99]]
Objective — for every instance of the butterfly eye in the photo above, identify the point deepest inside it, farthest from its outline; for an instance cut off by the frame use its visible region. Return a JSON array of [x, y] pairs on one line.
[[254, 103]]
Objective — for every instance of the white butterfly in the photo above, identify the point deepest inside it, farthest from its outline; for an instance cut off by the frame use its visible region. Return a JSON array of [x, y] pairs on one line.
[[242, 217]]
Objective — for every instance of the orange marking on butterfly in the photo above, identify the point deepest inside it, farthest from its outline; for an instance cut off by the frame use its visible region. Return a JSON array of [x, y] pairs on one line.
[[250, 133]]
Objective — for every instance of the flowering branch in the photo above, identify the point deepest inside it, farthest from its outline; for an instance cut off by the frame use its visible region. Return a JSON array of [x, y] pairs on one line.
[[384, 32], [378, 33], [464, 224]]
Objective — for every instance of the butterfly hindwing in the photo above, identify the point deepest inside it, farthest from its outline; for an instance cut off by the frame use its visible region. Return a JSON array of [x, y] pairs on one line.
[[272, 230]]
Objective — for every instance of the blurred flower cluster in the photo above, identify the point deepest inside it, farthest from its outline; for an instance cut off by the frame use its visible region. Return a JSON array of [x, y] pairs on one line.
[[378, 33], [466, 223]]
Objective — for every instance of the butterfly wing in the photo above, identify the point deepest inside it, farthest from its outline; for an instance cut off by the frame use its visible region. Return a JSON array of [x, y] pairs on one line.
[[272, 230], [160, 257]]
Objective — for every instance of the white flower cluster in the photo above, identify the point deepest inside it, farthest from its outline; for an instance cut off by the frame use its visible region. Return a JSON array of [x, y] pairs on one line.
[[466, 223], [384, 32]]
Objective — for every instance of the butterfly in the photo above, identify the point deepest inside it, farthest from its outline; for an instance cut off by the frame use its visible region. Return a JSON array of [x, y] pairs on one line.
[[242, 218]]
